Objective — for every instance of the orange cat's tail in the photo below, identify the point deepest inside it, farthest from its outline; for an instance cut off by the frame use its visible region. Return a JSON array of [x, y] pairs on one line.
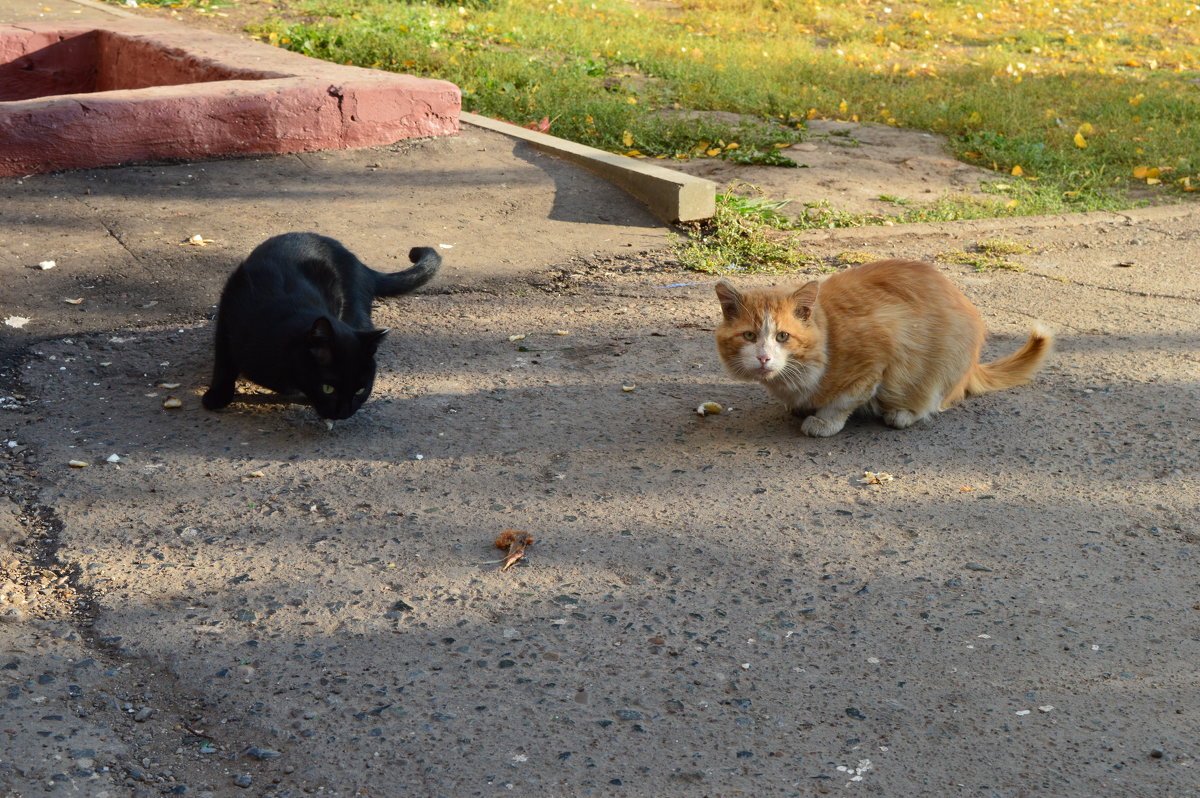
[[1014, 369]]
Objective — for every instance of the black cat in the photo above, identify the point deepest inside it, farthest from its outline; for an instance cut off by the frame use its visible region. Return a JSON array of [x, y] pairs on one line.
[[296, 316]]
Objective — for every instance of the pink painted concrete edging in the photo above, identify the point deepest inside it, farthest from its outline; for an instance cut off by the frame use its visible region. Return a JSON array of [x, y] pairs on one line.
[[76, 96]]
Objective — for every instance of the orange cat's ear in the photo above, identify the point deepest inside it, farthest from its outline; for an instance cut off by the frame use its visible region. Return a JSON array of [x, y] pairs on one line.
[[803, 298], [731, 300]]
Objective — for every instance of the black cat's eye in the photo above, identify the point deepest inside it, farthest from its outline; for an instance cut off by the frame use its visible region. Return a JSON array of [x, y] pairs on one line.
[[749, 336], [360, 391], [327, 389], [782, 337]]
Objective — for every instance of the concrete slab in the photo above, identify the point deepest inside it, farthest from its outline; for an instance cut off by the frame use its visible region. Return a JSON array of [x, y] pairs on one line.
[[671, 196], [105, 93]]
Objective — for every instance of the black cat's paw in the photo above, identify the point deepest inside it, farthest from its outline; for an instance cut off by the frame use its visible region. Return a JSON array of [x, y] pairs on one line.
[[216, 398]]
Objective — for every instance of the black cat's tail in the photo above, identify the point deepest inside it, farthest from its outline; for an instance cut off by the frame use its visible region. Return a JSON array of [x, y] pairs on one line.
[[426, 262]]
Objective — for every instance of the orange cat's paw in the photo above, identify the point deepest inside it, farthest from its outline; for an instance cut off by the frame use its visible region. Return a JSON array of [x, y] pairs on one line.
[[817, 427], [899, 419]]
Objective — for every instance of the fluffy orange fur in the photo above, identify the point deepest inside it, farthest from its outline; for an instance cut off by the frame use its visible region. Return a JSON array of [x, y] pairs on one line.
[[893, 337]]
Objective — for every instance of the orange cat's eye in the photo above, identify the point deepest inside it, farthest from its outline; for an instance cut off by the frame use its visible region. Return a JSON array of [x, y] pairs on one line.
[[781, 337], [749, 336]]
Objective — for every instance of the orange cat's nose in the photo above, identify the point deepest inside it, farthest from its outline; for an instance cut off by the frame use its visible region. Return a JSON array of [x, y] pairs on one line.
[[764, 359]]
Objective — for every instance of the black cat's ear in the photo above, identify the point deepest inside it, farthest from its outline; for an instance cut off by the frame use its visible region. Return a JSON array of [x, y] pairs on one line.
[[371, 338], [804, 297], [731, 300], [320, 332], [319, 340]]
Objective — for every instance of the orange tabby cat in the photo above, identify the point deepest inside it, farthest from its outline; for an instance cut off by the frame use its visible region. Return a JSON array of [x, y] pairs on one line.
[[895, 337]]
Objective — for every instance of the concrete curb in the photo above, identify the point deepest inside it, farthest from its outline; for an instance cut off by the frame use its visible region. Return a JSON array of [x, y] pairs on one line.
[[85, 94], [672, 196]]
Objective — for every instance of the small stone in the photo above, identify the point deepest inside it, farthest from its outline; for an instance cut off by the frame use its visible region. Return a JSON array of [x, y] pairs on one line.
[[262, 753], [974, 566], [243, 780]]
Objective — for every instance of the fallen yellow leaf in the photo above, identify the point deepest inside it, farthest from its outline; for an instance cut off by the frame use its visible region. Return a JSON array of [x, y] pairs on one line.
[[1080, 141], [1017, 171], [627, 139]]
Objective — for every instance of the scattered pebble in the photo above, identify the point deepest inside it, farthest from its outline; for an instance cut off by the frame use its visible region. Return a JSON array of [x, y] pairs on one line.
[[74, 301], [171, 402], [113, 458], [709, 409], [628, 388], [46, 264], [77, 463], [517, 337]]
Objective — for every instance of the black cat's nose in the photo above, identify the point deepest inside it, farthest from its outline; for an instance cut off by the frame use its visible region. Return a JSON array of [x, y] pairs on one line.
[[337, 413]]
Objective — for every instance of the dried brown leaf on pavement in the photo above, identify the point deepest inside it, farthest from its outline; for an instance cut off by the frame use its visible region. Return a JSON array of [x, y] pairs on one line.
[[514, 541]]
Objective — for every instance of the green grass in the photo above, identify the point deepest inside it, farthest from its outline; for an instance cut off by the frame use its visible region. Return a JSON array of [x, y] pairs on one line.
[[1010, 85], [748, 235]]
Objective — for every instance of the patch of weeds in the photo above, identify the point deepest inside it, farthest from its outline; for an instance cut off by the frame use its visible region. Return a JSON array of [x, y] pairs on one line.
[[987, 255], [895, 200], [747, 235], [199, 5], [757, 206], [821, 215], [1004, 246], [757, 157], [854, 258]]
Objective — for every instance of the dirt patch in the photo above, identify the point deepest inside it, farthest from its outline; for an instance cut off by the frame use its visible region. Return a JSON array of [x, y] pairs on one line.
[[856, 168]]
